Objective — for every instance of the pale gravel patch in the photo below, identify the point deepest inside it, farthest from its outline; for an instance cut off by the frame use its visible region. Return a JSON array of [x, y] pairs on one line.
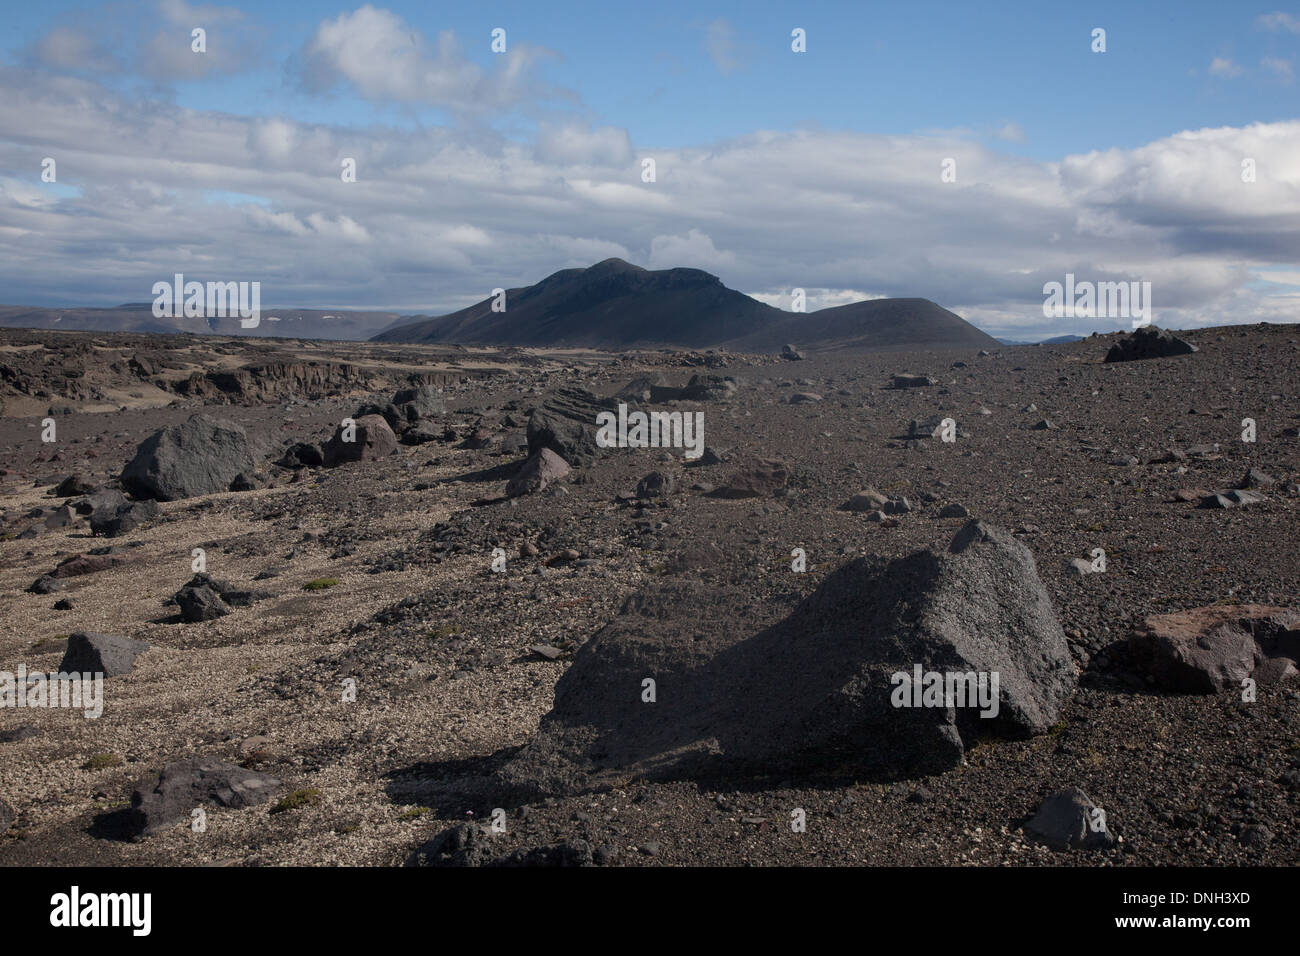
[[198, 677]]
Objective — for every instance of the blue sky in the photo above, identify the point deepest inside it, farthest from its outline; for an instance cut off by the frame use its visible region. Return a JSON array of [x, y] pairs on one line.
[[660, 71], [1086, 153]]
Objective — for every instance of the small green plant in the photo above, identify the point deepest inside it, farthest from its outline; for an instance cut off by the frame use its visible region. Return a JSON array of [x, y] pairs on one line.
[[102, 762], [414, 813], [444, 631], [310, 797], [320, 584]]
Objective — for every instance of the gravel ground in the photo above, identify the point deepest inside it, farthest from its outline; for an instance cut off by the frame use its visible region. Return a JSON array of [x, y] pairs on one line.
[[439, 644]]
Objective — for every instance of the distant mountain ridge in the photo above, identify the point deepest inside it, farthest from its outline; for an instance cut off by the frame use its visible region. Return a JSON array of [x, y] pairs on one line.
[[139, 317], [616, 305]]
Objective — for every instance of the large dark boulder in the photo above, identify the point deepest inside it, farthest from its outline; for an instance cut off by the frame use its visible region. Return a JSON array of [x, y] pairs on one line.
[[205, 598], [75, 485], [464, 844], [754, 478], [79, 564], [540, 470], [408, 406], [200, 604], [912, 381], [638, 390], [107, 500], [302, 455], [186, 784], [817, 691], [200, 456], [1149, 342], [566, 424], [700, 388], [421, 433], [373, 439], [424, 401], [389, 412], [126, 517]]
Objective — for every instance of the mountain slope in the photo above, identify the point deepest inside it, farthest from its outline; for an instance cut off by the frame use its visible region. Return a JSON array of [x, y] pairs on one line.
[[873, 325]]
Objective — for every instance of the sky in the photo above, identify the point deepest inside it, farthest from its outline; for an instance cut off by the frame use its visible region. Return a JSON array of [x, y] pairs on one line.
[[774, 169]]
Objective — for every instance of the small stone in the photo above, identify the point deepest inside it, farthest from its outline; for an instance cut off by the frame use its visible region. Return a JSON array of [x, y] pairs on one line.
[[1066, 821], [1081, 566]]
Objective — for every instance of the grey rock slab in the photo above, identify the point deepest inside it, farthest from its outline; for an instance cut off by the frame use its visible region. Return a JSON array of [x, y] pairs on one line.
[[105, 654], [187, 784]]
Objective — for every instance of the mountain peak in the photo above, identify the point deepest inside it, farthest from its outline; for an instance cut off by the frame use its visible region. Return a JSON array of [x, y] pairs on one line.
[[613, 265]]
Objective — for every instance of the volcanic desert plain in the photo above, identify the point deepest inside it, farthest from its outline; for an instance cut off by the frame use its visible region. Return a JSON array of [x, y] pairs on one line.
[[414, 649]]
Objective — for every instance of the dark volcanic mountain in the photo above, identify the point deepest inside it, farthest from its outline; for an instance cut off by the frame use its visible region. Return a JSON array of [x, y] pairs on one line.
[[617, 305], [612, 305]]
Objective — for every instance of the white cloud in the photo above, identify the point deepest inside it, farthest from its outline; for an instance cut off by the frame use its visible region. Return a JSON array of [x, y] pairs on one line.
[[74, 48], [1278, 67], [1010, 132], [1279, 21], [152, 40], [815, 299], [694, 250], [724, 48], [1223, 66], [385, 59], [1289, 277], [577, 144], [272, 138]]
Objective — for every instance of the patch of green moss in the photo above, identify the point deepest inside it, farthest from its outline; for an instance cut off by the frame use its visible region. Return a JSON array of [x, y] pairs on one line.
[[102, 762], [310, 797], [320, 584], [444, 631]]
